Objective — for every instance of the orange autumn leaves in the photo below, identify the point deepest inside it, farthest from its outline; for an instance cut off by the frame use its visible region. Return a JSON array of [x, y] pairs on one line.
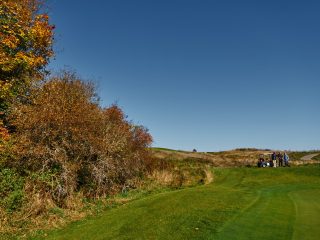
[[4, 135], [63, 129], [26, 38]]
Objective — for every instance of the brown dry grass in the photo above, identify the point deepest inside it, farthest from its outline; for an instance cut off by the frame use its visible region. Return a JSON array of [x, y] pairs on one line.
[[209, 176], [41, 213], [232, 158], [218, 159], [164, 177]]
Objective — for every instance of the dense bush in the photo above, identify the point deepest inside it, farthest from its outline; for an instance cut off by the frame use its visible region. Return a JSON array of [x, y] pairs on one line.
[[61, 129]]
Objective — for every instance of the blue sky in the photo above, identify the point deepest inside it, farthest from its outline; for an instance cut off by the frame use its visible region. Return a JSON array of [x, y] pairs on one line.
[[211, 75]]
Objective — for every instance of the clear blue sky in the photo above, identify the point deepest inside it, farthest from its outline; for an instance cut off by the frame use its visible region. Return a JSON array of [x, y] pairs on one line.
[[210, 75]]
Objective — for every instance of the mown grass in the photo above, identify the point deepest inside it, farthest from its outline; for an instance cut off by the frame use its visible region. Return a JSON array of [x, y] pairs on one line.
[[242, 203]]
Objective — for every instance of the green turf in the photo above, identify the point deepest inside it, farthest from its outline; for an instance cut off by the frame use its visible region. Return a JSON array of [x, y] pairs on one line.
[[243, 203]]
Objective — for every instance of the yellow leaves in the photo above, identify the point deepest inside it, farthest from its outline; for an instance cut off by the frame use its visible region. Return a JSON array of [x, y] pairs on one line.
[[5, 27], [4, 134], [7, 64], [10, 41], [38, 61], [4, 86], [25, 38], [5, 89]]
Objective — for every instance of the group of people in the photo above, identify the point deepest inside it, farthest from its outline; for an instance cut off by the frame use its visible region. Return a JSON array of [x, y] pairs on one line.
[[275, 160]]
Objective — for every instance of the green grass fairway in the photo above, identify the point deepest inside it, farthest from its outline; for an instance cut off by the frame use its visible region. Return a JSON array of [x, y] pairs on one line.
[[241, 203]]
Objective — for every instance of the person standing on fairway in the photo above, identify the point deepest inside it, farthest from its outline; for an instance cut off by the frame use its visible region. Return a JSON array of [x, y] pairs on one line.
[[274, 159], [286, 159], [280, 159]]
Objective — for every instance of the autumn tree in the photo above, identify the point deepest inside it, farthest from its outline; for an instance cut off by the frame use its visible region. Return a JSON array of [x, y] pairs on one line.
[[26, 38]]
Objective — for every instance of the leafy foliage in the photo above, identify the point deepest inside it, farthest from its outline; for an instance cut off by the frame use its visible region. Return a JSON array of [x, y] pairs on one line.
[[11, 189], [63, 130], [4, 135], [26, 38]]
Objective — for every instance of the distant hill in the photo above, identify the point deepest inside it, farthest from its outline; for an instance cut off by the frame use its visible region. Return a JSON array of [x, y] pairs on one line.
[[237, 157]]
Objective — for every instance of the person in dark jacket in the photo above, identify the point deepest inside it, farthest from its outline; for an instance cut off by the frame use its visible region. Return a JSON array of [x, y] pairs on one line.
[[261, 162], [280, 159], [274, 159]]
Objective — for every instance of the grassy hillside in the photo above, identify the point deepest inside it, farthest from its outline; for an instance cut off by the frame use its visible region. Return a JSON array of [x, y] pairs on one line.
[[296, 156], [233, 158], [241, 203], [317, 158]]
